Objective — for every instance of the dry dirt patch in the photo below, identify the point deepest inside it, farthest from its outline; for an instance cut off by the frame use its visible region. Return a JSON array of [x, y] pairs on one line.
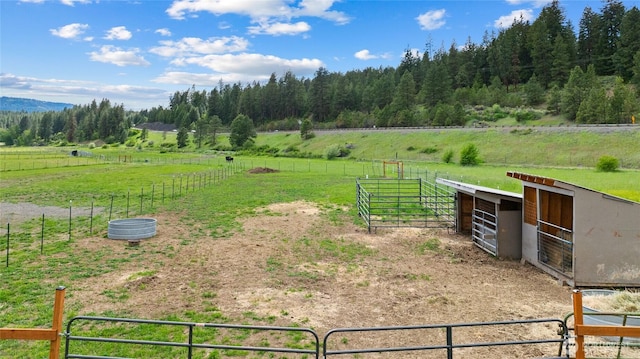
[[289, 262], [262, 170]]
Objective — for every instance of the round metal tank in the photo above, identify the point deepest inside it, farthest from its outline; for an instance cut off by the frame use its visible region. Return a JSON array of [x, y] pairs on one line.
[[132, 228], [632, 320]]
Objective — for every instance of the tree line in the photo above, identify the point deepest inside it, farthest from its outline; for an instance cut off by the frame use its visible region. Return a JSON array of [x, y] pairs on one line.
[[588, 76]]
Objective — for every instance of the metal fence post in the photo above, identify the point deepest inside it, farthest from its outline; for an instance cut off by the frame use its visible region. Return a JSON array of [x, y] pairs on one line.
[[8, 236], [42, 235], [69, 219]]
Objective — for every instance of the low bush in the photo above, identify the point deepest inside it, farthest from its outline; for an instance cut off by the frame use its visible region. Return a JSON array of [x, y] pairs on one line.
[[447, 157], [429, 150], [607, 164], [469, 155], [334, 151]]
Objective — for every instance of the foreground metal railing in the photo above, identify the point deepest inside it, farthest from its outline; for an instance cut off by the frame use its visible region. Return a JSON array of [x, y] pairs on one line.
[[448, 344], [188, 343], [422, 341]]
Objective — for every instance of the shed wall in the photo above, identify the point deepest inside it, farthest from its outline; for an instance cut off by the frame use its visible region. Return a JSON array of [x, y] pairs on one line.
[[509, 233], [607, 240]]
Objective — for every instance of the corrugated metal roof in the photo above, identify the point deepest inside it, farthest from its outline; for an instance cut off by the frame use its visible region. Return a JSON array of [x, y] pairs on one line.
[[561, 184], [473, 189]]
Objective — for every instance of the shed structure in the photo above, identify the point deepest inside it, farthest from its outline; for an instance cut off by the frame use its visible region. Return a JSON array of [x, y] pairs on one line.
[[492, 217], [581, 236]]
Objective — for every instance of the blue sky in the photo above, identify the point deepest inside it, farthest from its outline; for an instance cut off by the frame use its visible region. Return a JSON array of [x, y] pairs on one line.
[[138, 53]]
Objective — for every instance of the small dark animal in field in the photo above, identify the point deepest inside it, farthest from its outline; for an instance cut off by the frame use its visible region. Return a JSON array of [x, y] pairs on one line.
[[229, 159]]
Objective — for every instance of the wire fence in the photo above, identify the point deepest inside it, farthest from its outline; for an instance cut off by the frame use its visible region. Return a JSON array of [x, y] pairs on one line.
[[34, 160], [34, 226]]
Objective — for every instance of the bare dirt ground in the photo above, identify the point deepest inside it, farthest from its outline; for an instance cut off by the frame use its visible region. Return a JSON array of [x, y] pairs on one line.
[[292, 264]]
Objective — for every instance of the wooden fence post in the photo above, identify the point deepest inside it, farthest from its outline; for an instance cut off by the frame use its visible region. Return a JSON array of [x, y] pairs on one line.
[[582, 329], [52, 335]]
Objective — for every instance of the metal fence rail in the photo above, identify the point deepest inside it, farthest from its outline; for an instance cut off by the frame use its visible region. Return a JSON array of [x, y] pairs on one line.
[[448, 344], [555, 247], [556, 333], [404, 203], [484, 230], [188, 344]]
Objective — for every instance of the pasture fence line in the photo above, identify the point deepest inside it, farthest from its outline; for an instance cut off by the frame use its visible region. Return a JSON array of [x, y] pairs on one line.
[[39, 160], [61, 223]]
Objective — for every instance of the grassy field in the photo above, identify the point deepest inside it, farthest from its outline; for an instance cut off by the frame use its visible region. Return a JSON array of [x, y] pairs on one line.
[[531, 146], [42, 177]]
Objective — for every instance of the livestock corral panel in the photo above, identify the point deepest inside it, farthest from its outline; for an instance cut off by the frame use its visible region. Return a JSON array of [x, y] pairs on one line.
[[405, 203]]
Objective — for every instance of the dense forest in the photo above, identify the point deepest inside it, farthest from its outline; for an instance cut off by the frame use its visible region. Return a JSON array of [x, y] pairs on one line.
[[591, 75]]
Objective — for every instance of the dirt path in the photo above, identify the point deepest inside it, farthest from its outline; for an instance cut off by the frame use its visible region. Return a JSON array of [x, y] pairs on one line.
[[293, 264]]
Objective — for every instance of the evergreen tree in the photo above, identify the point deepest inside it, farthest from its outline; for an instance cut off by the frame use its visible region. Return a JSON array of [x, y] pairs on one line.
[[45, 127], [608, 36], [623, 103], [182, 137], [628, 45], [242, 131], [306, 128], [533, 91], [542, 35], [636, 71], [202, 128], [71, 128], [437, 85], [404, 97], [593, 109], [561, 65], [215, 124], [320, 99], [587, 37], [577, 89]]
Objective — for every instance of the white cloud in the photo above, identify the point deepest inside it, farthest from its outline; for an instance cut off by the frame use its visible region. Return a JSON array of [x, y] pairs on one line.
[[432, 20], [198, 79], [244, 67], [190, 46], [70, 31], [279, 28], [115, 55], [276, 13], [253, 64], [535, 3], [118, 33], [32, 1], [72, 2], [12, 81], [320, 8], [163, 32], [252, 8], [366, 55], [82, 92], [504, 22]]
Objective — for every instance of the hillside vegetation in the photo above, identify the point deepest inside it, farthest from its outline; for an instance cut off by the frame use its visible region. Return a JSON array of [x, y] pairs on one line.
[[520, 146]]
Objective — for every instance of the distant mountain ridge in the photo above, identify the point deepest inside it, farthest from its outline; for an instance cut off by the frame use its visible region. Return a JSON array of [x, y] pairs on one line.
[[18, 104]]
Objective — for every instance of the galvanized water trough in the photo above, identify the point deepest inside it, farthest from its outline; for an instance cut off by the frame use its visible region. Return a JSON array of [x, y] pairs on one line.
[[132, 228]]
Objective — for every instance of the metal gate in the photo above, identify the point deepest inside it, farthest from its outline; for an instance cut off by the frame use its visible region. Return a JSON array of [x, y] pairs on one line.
[[485, 230], [555, 247], [181, 339], [405, 203]]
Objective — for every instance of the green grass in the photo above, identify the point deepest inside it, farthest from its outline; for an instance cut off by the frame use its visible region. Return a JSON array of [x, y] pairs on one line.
[[530, 146], [26, 286]]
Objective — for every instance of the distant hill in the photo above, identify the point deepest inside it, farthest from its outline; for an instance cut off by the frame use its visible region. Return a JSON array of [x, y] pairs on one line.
[[30, 105]]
